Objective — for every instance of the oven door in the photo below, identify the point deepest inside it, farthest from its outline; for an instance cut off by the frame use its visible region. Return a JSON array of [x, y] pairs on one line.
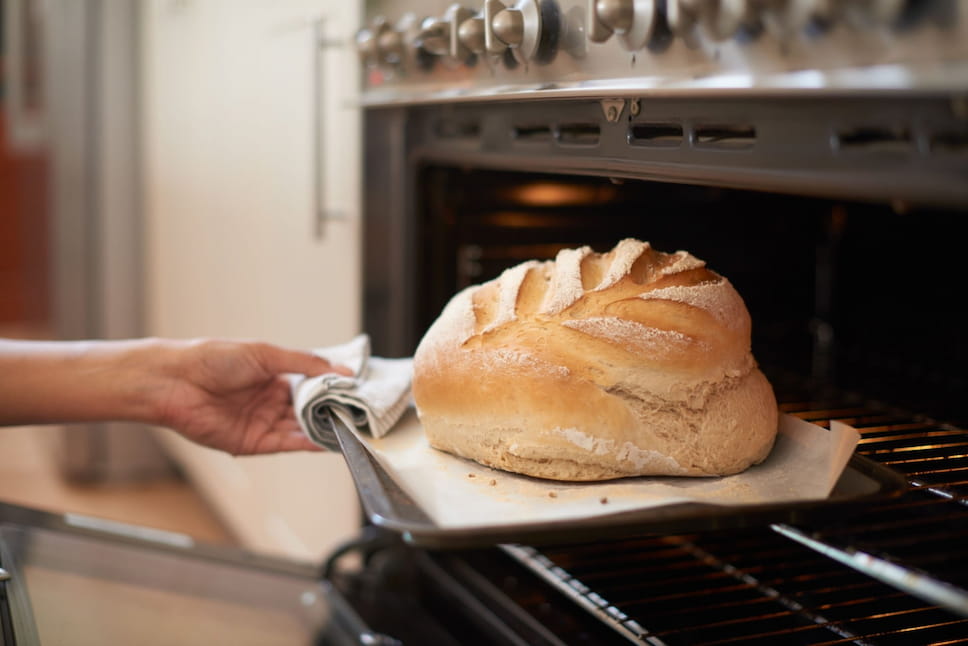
[[79, 580]]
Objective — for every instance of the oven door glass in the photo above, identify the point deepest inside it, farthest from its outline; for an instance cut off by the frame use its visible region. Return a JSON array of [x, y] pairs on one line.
[[72, 588]]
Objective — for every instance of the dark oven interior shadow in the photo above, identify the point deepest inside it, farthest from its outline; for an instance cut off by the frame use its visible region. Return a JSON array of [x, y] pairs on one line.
[[857, 296]]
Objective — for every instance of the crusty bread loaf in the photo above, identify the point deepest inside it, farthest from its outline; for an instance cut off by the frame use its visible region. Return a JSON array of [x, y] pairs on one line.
[[597, 366]]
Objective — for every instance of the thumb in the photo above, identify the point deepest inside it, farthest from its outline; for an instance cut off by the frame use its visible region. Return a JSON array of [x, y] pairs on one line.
[[280, 360]]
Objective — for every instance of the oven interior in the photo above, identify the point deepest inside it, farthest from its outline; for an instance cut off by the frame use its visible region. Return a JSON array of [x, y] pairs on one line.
[[858, 296], [853, 282]]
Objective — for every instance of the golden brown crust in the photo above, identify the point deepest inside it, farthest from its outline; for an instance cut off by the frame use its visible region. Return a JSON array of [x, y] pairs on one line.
[[597, 366]]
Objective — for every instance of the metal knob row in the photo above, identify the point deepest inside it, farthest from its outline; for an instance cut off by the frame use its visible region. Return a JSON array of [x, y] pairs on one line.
[[441, 36], [499, 28], [382, 44], [457, 34], [648, 23]]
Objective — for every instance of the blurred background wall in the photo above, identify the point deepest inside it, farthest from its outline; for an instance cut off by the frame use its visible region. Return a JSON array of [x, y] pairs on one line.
[[186, 168]]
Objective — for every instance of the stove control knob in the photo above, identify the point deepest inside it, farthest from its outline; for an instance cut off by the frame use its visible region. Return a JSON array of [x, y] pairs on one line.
[[390, 47], [867, 14], [441, 37], [366, 47], [433, 36], [724, 19], [517, 28], [783, 18], [634, 21], [367, 42], [616, 15], [720, 19], [508, 26], [683, 15], [471, 34]]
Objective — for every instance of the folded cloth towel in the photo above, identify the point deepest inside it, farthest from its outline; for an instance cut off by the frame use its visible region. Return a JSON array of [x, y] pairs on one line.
[[373, 399]]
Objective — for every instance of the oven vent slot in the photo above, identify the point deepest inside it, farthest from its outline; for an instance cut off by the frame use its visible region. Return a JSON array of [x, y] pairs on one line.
[[724, 136], [578, 134], [529, 133], [656, 134], [874, 140], [453, 129], [949, 142]]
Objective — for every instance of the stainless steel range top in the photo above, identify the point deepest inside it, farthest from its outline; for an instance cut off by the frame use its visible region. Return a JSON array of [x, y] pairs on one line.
[[417, 51]]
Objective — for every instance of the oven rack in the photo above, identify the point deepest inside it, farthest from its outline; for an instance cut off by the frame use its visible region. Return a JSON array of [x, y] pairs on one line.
[[893, 572]]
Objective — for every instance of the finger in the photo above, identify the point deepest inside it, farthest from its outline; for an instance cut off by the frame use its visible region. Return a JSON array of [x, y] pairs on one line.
[[286, 441], [281, 360]]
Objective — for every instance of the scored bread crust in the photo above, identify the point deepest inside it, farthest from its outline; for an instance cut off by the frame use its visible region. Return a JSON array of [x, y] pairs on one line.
[[597, 366]]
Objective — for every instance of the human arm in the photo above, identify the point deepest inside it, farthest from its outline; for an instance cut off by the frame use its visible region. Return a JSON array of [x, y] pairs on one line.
[[227, 395]]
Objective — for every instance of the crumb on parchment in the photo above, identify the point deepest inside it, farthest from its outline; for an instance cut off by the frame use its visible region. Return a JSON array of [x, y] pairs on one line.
[[604, 500], [552, 494], [493, 482], [471, 475]]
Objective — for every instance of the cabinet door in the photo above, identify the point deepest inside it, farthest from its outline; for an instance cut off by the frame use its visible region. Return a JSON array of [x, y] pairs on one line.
[[247, 123]]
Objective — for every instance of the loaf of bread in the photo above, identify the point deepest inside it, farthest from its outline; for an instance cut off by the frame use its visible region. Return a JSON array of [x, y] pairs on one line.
[[597, 366]]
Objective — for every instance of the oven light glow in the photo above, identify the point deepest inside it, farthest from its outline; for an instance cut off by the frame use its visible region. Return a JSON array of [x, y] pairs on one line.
[[555, 194], [512, 219]]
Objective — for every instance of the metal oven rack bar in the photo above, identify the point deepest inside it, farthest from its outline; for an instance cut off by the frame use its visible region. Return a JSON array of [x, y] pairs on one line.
[[889, 573]]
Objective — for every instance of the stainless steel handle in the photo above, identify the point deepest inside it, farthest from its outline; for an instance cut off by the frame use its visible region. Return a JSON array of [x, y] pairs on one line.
[[320, 213], [23, 21]]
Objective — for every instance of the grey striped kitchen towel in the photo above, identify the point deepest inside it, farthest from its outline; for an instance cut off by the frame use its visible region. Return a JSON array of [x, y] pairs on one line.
[[372, 400]]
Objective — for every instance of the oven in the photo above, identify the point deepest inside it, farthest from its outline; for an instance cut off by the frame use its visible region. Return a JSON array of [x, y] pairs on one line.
[[816, 154]]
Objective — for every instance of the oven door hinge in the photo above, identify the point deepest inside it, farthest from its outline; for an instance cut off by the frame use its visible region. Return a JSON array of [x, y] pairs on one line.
[[612, 109]]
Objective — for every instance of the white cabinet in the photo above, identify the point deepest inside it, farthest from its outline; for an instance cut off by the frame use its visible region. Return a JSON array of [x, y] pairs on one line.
[[230, 184]]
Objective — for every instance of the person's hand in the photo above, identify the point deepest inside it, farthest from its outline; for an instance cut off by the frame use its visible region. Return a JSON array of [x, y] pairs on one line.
[[228, 395], [235, 396]]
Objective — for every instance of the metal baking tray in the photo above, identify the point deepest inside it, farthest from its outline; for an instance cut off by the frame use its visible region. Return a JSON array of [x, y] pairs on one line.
[[388, 506]]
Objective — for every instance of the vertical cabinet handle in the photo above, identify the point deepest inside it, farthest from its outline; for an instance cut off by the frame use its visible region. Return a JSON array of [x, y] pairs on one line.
[[321, 213], [24, 24]]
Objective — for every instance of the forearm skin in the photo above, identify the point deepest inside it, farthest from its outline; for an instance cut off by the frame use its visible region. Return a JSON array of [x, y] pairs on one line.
[[43, 382]]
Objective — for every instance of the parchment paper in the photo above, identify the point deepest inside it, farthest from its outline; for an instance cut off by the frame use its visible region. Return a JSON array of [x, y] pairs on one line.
[[805, 464]]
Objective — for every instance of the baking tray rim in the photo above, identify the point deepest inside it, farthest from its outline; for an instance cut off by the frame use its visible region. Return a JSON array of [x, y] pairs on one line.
[[388, 506]]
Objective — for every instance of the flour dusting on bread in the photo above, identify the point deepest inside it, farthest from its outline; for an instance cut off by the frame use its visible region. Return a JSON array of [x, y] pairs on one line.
[[643, 356]]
